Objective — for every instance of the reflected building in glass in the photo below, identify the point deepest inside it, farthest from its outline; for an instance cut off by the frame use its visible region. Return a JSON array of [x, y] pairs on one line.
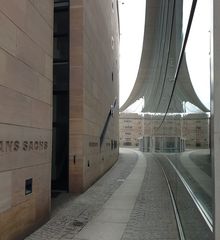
[[179, 64]]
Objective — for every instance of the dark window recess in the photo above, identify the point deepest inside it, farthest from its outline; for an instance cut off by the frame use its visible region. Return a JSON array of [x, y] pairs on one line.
[[60, 156], [127, 144], [28, 186], [112, 144], [60, 26], [61, 3], [61, 108], [112, 76], [115, 144], [61, 76], [61, 49]]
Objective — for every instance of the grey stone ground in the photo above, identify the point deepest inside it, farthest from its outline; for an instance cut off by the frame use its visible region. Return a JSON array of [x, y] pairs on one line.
[[151, 219], [81, 209]]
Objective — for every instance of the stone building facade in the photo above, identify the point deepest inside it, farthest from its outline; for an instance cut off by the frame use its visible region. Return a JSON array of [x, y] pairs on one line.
[[26, 55], [193, 128], [196, 131], [31, 111], [94, 84], [130, 129]]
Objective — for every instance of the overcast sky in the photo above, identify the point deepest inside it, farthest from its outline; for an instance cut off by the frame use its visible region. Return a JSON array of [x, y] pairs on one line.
[[198, 50], [132, 19]]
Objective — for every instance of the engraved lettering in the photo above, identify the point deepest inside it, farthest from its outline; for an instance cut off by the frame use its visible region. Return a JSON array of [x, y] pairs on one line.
[[36, 145], [31, 145], [9, 145], [1, 146], [41, 145], [45, 145], [25, 145], [16, 145]]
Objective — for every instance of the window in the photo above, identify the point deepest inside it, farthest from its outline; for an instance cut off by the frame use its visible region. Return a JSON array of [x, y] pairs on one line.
[[60, 19], [28, 186], [61, 48], [60, 95]]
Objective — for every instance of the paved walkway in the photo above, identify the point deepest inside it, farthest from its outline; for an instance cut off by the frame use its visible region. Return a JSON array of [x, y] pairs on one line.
[[130, 202]]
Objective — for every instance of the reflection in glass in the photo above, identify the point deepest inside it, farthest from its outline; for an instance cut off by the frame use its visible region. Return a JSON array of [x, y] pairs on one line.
[[60, 19], [177, 122], [186, 159], [195, 163], [61, 48], [198, 51], [187, 5]]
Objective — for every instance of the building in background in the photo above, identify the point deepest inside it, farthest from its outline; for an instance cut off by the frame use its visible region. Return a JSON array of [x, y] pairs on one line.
[[59, 104], [192, 128], [130, 129], [196, 131]]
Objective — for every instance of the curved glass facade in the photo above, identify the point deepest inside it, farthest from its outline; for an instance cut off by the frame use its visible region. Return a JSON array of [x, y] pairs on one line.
[[183, 139]]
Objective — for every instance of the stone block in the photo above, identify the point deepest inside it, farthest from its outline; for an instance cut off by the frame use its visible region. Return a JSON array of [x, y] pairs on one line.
[[5, 191]]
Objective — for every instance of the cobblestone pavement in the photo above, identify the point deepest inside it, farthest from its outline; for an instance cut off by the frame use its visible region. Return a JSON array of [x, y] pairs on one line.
[[76, 212], [152, 217]]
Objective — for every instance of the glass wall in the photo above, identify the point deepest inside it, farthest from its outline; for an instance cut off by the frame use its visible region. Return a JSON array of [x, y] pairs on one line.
[[60, 156], [188, 166]]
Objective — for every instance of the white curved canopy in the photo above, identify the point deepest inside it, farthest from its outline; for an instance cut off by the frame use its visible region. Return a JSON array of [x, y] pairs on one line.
[[161, 48]]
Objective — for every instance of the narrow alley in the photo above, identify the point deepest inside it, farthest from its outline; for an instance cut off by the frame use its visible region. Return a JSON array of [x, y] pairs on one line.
[[131, 201]]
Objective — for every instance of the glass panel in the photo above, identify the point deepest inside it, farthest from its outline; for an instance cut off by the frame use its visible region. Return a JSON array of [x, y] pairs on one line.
[[182, 136], [195, 162], [62, 108], [61, 49], [58, 1], [60, 97], [60, 20], [187, 5], [198, 52], [61, 76]]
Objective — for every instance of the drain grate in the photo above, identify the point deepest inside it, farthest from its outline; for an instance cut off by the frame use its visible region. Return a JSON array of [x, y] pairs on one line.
[[77, 223]]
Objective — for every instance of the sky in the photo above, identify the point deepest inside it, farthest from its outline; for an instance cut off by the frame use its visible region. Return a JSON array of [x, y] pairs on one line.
[[132, 19], [198, 50]]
